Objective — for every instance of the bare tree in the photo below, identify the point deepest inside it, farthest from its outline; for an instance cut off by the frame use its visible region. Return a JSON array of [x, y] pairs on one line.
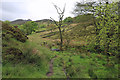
[[59, 23]]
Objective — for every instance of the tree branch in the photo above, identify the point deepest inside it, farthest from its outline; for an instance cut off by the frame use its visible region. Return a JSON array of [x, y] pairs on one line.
[[54, 21]]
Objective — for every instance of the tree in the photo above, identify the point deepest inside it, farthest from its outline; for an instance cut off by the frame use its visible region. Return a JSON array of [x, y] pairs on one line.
[[59, 23], [68, 20], [107, 24], [29, 27], [82, 8], [105, 18]]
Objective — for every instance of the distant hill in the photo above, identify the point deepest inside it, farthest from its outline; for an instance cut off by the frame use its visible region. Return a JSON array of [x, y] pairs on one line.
[[20, 21], [44, 20]]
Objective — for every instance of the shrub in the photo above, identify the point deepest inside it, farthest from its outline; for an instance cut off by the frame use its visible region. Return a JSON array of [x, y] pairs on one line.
[[29, 27], [12, 32], [68, 20], [13, 55]]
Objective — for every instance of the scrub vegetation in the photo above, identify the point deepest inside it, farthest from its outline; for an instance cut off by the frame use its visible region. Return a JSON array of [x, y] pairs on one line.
[[89, 49]]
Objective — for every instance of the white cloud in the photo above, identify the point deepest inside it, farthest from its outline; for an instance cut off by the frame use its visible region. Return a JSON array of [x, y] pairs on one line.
[[34, 9]]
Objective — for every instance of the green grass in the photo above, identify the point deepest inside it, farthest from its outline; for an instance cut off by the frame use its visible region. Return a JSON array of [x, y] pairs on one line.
[[22, 71], [84, 67], [77, 64], [80, 65], [34, 65]]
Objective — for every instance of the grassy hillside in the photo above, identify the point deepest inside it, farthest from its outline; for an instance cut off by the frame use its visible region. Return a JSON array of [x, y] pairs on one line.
[[36, 56], [22, 54]]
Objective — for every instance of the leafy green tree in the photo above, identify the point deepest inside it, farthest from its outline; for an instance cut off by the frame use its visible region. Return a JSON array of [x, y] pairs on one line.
[[105, 18], [29, 27], [108, 27], [68, 20]]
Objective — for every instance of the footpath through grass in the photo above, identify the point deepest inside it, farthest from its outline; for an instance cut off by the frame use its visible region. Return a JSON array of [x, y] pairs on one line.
[[70, 63], [83, 65]]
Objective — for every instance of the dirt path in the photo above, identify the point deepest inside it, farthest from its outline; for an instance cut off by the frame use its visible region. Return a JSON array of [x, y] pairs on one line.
[[64, 69], [50, 73]]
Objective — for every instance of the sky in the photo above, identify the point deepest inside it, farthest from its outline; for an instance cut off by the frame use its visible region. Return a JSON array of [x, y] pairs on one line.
[[34, 9]]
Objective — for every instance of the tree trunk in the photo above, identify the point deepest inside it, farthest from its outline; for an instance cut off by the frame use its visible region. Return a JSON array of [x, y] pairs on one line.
[[61, 43]]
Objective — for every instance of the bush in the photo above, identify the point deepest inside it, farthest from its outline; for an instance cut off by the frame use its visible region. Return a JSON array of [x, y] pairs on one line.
[[12, 32], [29, 27], [11, 38], [13, 55], [68, 20]]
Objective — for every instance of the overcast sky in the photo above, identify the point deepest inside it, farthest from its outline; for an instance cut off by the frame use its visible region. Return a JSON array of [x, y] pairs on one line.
[[34, 9]]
